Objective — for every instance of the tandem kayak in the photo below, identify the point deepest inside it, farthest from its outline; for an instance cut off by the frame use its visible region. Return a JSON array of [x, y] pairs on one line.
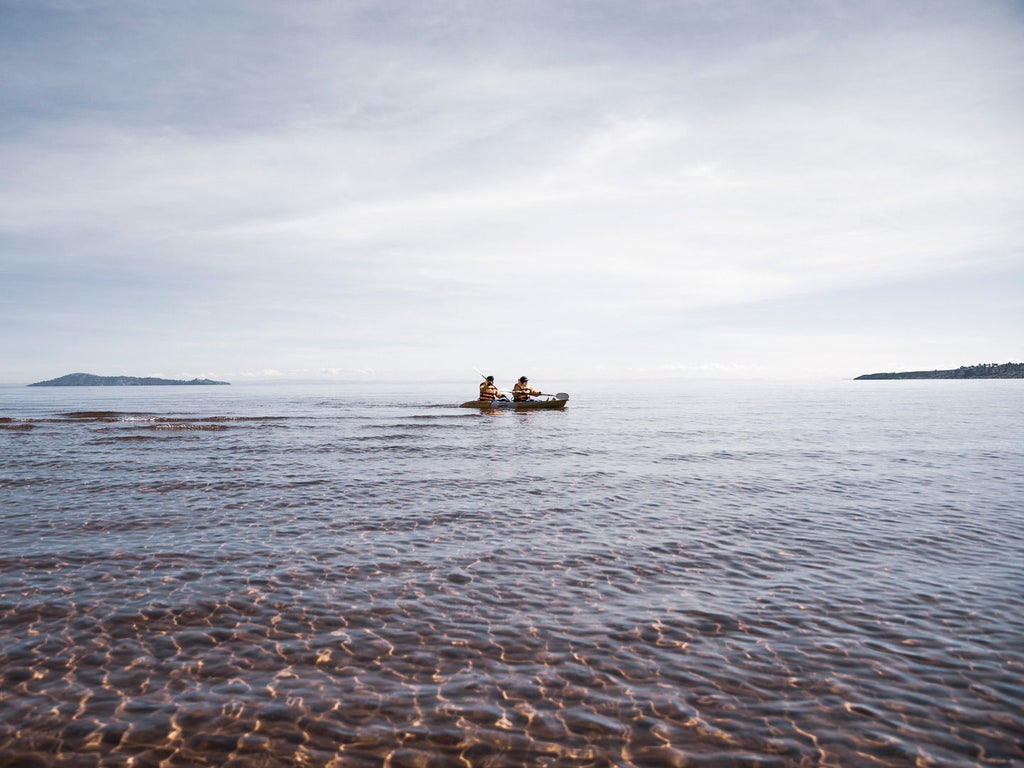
[[554, 403]]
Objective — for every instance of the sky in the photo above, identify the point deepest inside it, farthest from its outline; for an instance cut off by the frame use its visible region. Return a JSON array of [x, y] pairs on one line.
[[250, 190]]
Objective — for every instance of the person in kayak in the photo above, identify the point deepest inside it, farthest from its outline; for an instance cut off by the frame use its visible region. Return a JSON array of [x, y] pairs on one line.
[[490, 392], [522, 391]]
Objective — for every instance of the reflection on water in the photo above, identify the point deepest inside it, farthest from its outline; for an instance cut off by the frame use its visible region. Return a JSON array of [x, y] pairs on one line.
[[766, 578]]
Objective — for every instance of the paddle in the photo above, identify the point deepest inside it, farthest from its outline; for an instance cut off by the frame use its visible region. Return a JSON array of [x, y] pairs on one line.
[[557, 396]]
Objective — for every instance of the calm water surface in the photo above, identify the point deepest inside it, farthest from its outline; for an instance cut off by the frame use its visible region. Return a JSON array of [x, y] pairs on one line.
[[692, 574]]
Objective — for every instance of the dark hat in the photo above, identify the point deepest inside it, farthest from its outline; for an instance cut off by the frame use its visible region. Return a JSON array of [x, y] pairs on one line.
[[490, 378], [523, 378]]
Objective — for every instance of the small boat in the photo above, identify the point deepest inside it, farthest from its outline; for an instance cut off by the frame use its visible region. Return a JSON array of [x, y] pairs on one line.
[[553, 403]]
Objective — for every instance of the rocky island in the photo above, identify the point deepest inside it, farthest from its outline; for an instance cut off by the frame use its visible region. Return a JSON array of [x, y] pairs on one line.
[[981, 371], [90, 380]]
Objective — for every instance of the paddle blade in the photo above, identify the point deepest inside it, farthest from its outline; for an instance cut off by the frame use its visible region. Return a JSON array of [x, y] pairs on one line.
[[561, 396]]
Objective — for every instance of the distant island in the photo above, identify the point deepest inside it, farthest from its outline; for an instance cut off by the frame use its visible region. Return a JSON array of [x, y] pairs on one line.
[[981, 371], [89, 380]]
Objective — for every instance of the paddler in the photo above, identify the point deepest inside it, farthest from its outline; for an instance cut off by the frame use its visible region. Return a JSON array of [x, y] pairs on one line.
[[490, 392], [521, 390]]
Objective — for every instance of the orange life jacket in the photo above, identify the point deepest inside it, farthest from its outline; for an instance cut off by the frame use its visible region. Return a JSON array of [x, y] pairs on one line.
[[488, 391], [521, 392]]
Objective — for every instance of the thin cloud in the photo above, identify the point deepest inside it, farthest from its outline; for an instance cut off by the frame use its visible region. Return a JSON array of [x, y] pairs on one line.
[[329, 180]]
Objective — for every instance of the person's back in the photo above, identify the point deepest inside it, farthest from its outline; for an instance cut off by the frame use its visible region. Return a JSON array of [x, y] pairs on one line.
[[487, 389]]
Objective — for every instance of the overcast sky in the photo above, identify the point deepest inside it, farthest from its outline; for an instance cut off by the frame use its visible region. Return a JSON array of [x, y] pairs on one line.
[[249, 190]]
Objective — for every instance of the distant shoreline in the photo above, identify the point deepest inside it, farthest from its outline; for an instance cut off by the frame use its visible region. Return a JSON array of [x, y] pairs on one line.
[[91, 380], [982, 371]]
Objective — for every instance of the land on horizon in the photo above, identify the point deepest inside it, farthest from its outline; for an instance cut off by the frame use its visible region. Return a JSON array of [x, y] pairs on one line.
[[980, 371], [91, 380]]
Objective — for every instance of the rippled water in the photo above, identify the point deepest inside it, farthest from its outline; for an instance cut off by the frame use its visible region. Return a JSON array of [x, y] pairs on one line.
[[662, 574]]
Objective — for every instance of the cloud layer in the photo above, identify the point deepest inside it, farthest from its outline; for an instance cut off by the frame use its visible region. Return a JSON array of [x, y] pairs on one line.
[[571, 189]]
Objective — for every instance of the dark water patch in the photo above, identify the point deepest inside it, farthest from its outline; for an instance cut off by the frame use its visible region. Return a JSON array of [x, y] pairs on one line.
[[103, 415], [142, 419], [19, 482]]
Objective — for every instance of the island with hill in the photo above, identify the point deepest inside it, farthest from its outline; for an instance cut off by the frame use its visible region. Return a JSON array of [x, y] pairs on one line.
[[980, 371], [91, 380]]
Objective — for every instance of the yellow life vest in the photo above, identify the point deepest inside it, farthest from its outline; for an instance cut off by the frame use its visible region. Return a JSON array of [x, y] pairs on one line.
[[522, 392], [488, 391]]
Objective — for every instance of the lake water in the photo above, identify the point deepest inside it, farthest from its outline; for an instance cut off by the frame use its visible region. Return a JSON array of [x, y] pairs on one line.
[[686, 573]]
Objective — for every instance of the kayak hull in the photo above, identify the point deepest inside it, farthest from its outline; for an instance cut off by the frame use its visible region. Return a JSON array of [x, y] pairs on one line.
[[509, 405]]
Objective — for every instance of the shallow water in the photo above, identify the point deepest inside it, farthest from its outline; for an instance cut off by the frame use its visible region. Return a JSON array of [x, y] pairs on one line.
[[678, 573]]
